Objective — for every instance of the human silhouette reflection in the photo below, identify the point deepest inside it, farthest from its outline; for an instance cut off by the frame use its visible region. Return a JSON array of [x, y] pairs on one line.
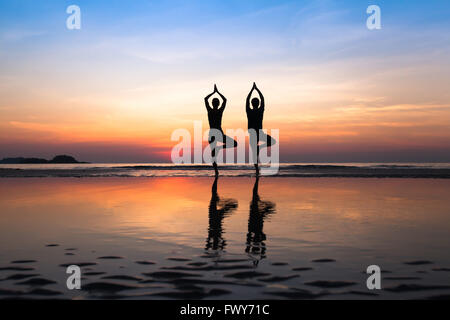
[[259, 211], [218, 210]]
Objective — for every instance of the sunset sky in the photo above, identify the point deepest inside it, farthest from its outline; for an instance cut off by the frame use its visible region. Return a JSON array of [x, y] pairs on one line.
[[115, 90]]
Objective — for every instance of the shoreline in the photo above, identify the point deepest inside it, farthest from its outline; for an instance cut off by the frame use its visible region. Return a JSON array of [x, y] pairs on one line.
[[107, 173]]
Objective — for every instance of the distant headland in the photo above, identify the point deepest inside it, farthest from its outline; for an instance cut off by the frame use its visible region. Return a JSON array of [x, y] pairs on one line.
[[57, 159]]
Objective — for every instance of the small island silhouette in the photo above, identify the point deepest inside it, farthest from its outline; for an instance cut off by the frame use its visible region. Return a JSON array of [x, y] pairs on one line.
[[57, 159]]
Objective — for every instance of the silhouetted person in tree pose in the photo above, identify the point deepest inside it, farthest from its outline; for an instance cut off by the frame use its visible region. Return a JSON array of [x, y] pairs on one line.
[[218, 210], [255, 115], [259, 211], [215, 122]]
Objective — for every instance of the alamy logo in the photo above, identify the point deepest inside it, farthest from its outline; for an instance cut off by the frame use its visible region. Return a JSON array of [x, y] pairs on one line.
[[233, 140], [74, 280], [374, 281], [374, 20], [182, 152], [74, 20]]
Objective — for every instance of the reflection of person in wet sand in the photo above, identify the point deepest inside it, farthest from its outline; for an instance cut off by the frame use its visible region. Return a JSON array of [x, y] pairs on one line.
[[218, 210], [255, 114], [215, 124], [259, 211]]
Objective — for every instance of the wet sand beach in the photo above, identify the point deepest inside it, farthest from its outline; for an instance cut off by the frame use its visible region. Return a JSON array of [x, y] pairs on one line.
[[197, 238]]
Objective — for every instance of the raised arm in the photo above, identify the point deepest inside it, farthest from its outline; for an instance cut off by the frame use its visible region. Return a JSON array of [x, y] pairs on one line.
[[247, 102], [224, 100], [260, 96], [208, 107]]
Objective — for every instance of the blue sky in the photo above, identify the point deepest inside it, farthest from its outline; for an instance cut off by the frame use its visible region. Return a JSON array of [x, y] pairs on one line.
[[137, 65]]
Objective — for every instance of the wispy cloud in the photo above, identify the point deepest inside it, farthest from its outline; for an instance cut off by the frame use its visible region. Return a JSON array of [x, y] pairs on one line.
[[18, 34]]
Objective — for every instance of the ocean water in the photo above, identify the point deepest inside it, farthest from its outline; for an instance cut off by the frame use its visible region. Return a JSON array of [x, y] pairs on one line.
[[231, 238], [412, 170]]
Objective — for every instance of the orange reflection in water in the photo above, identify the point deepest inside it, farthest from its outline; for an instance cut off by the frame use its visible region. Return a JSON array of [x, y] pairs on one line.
[[315, 210]]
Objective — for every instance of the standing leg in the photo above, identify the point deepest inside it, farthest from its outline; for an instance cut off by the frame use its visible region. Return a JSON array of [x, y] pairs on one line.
[[254, 148], [257, 155], [216, 170], [212, 145]]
